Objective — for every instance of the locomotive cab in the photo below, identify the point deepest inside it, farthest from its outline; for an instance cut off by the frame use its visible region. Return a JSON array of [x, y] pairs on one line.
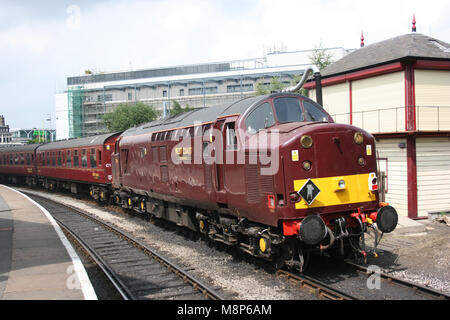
[[325, 181]]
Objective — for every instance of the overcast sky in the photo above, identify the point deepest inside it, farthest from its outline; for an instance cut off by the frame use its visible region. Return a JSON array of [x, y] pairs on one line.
[[44, 42]]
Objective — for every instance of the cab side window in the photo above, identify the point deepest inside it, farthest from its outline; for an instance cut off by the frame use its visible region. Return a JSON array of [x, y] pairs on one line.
[[314, 113], [260, 118]]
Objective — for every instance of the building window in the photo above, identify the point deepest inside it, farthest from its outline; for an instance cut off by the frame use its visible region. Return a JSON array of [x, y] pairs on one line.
[[181, 92], [164, 93], [107, 97], [130, 96], [237, 88]]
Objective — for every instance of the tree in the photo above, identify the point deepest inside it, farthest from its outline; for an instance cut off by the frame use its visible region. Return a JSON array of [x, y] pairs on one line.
[[320, 57], [276, 86], [177, 109], [128, 115]]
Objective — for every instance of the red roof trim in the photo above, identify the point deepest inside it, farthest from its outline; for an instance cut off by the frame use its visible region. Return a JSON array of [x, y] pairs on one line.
[[366, 73], [432, 64]]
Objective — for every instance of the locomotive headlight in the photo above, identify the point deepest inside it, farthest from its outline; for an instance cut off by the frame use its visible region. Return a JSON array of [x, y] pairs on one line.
[[361, 161], [341, 184], [306, 142], [358, 137], [306, 165]]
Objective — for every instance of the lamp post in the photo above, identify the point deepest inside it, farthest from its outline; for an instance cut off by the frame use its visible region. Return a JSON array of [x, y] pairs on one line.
[[49, 118]]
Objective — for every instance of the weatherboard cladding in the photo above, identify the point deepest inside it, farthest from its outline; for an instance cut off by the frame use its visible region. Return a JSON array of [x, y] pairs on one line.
[[409, 46]]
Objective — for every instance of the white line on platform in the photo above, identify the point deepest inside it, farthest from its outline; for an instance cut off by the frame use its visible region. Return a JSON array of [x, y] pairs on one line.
[[86, 285]]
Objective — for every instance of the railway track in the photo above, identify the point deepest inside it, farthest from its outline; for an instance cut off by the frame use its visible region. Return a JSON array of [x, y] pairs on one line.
[[347, 281], [135, 270], [319, 289], [414, 288]]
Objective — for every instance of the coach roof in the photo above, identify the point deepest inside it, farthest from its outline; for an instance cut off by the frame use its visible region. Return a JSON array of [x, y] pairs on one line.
[[77, 143], [23, 148]]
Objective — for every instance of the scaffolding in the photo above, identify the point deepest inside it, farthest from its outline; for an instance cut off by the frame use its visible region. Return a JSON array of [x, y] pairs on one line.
[[76, 98]]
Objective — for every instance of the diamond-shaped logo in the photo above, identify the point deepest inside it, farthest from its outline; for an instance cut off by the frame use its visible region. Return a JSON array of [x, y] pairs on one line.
[[309, 192]]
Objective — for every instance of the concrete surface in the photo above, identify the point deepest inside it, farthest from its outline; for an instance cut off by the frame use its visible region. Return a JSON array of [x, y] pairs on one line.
[[34, 263]]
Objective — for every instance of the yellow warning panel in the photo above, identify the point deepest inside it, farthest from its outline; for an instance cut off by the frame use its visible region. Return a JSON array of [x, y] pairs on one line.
[[356, 191]]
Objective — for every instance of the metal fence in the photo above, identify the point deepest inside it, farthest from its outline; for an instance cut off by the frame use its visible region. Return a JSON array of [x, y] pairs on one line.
[[382, 120]]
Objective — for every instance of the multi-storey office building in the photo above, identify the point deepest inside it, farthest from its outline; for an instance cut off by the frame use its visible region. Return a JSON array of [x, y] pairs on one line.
[[79, 110]]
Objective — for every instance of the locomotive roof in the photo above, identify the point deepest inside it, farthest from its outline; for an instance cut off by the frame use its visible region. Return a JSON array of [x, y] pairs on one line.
[[22, 148], [80, 142], [201, 115]]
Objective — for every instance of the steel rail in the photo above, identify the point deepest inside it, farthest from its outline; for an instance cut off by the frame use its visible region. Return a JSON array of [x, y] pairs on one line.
[[110, 274], [417, 288], [318, 288], [196, 284]]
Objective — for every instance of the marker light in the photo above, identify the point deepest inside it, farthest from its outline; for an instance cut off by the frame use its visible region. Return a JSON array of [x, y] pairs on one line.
[[358, 137]]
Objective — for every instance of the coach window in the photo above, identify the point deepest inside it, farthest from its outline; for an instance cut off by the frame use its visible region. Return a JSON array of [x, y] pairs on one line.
[[260, 118], [231, 137], [93, 158], [59, 159], [53, 159], [16, 159], [27, 159], [69, 159], [99, 158], [22, 159], [48, 159], [75, 159], [83, 158]]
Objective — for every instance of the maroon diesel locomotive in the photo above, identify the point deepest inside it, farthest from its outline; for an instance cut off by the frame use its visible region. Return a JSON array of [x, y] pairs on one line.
[[272, 175]]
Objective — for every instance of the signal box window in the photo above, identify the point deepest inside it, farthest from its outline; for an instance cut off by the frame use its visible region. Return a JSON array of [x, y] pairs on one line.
[[314, 113], [76, 161], [288, 110], [83, 158], [93, 158], [231, 137], [260, 118]]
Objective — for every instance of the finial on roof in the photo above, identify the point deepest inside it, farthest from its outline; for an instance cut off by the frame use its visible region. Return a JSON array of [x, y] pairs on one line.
[[362, 39], [414, 23]]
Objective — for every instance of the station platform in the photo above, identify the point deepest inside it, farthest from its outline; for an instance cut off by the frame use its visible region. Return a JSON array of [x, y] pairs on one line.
[[37, 262]]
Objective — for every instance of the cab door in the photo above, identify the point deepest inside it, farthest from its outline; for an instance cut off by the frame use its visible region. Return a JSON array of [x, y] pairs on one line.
[[218, 135]]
